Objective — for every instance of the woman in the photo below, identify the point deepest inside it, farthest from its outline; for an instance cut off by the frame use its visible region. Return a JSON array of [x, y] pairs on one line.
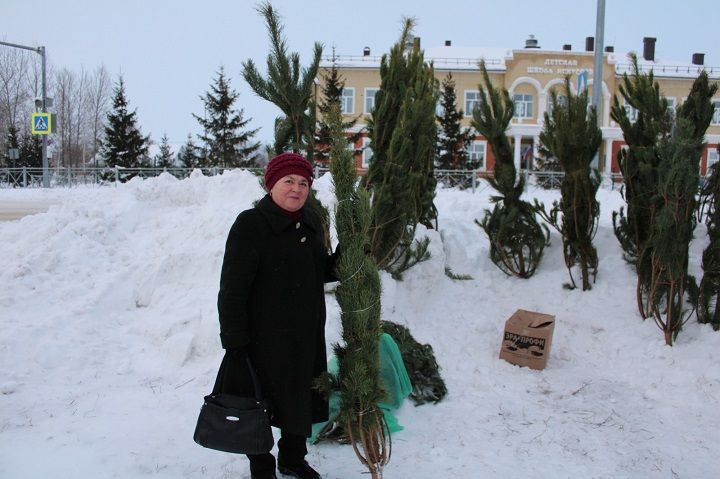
[[272, 309]]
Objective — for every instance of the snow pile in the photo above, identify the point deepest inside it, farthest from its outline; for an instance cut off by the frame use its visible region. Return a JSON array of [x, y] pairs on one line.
[[108, 334]]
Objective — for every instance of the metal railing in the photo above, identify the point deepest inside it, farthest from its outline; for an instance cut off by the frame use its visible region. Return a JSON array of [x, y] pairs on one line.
[[26, 177], [70, 177]]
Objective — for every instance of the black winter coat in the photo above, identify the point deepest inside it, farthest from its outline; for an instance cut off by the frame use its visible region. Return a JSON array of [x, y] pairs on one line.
[[272, 305]]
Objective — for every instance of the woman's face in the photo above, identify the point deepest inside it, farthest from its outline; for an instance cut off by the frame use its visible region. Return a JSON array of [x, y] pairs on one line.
[[290, 192]]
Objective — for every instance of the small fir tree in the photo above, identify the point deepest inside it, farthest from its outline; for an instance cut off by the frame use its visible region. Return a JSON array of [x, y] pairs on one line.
[[572, 136], [124, 144], [164, 157], [287, 86], [452, 138], [226, 143], [402, 133], [358, 295], [709, 290], [189, 155], [639, 165], [332, 92], [517, 240], [672, 229]]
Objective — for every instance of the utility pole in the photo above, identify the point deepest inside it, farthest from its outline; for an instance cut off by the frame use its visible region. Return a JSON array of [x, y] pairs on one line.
[[43, 108], [598, 69]]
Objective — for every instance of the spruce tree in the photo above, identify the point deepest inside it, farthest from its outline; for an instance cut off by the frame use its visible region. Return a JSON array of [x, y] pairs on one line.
[[572, 136], [226, 143], [709, 291], [452, 138], [30, 150], [639, 165], [672, 228], [517, 240], [358, 295], [124, 145], [288, 87], [164, 157], [189, 155], [333, 86], [402, 137]]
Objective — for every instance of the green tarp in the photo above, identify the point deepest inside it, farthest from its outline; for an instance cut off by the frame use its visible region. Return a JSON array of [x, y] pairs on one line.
[[394, 379]]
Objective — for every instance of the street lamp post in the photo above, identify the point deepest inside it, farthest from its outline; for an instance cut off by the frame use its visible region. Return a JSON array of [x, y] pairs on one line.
[[598, 68], [43, 107]]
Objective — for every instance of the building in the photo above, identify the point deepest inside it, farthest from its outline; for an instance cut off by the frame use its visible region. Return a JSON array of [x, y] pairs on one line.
[[530, 74]]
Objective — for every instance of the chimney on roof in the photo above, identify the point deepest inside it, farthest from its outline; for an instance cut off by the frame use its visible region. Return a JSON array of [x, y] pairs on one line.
[[448, 43], [366, 51], [567, 47], [609, 49], [589, 44], [698, 59], [649, 48], [531, 42]]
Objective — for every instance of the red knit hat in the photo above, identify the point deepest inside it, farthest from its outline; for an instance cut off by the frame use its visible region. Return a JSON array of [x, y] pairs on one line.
[[287, 164]]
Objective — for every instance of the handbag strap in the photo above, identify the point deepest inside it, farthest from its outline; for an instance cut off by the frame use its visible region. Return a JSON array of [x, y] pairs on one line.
[[253, 375]]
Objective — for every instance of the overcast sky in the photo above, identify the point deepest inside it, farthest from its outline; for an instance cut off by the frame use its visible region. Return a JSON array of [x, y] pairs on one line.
[[169, 51]]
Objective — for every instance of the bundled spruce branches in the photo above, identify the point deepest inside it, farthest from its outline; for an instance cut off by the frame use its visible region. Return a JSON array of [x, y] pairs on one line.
[[572, 136], [517, 240], [402, 134], [709, 291], [639, 165], [358, 295], [421, 365]]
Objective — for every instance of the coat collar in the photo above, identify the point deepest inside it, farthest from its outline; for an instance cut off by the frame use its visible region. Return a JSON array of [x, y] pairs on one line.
[[278, 219]]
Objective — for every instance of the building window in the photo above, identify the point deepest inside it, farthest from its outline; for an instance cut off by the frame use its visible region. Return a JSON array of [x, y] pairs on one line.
[[562, 101], [712, 158], [472, 100], [366, 152], [370, 99], [439, 110], [476, 154], [671, 105], [631, 112], [523, 105], [716, 114], [347, 101]]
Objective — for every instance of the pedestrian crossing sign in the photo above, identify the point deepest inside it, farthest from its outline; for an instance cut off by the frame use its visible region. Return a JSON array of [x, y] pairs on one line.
[[41, 124]]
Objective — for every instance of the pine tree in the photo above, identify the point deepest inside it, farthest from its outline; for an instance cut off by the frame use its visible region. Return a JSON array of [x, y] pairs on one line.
[[189, 155], [517, 240], [452, 138], [572, 136], [672, 228], [709, 290], [402, 133], [124, 145], [288, 87], [639, 165], [358, 295], [164, 157], [332, 92], [226, 143]]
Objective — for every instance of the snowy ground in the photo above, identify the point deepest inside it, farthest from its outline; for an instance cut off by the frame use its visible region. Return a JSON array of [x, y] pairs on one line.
[[109, 340]]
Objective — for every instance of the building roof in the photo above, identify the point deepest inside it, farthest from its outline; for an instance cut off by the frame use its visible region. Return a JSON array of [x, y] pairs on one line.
[[467, 58]]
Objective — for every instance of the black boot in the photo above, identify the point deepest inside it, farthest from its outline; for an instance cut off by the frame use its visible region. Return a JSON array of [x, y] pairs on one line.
[[262, 466], [291, 457], [300, 470]]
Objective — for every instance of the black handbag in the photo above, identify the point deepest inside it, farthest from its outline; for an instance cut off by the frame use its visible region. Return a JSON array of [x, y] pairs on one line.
[[232, 423]]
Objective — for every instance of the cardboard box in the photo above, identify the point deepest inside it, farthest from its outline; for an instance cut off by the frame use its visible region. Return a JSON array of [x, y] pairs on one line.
[[527, 338]]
